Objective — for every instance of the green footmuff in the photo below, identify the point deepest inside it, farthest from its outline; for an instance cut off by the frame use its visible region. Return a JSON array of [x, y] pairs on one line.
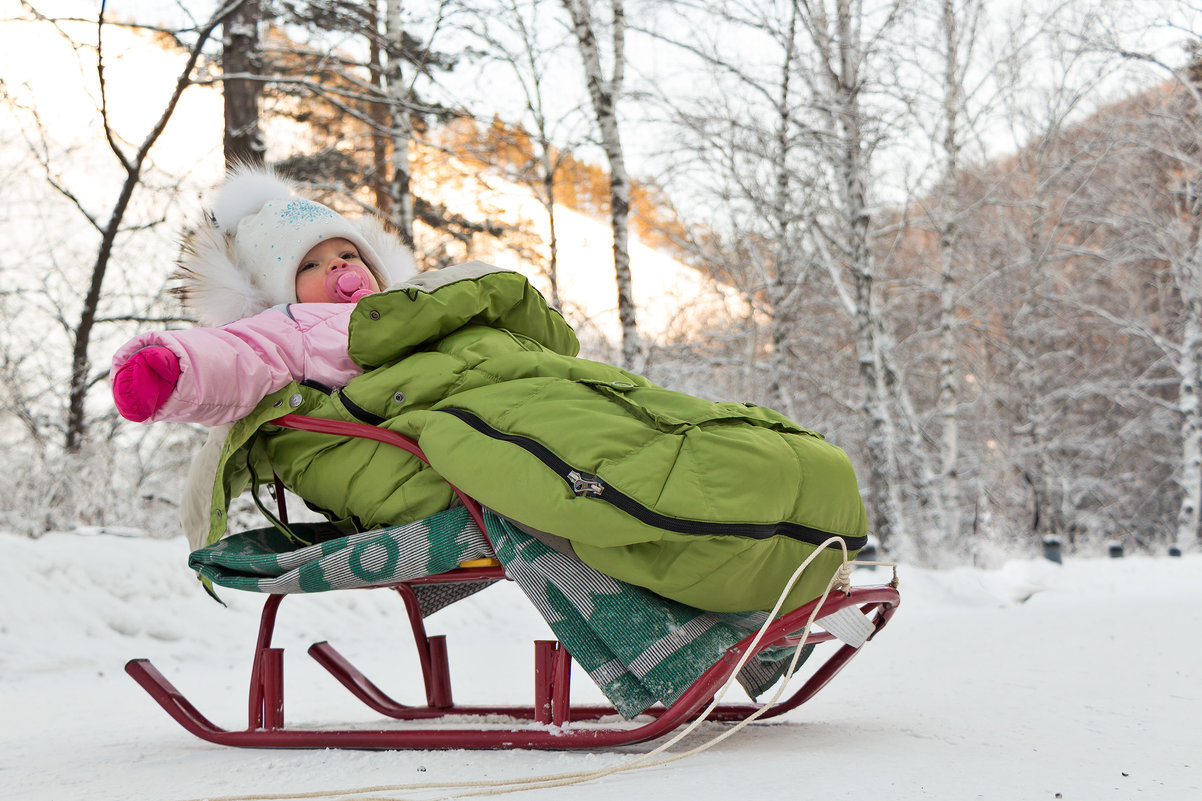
[[710, 504]]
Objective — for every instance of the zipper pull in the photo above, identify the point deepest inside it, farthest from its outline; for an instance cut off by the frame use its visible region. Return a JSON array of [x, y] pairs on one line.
[[584, 484]]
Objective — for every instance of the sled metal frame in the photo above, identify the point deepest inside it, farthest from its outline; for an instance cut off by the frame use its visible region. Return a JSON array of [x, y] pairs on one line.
[[552, 722]]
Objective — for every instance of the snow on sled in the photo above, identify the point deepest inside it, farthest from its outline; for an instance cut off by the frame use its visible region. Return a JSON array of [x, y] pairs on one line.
[[657, 675]]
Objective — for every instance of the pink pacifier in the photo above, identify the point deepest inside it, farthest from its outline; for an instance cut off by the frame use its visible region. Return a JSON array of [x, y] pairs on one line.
[[348, 283]]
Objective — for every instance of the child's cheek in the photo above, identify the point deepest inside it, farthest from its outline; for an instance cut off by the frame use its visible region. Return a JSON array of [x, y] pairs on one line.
[[310, 288]]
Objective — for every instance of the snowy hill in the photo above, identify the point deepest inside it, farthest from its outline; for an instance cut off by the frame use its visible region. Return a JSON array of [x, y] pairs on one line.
[[673, 301], [1034, 681]]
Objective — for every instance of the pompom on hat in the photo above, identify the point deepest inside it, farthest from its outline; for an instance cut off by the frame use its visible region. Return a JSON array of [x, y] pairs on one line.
[[244, 259]]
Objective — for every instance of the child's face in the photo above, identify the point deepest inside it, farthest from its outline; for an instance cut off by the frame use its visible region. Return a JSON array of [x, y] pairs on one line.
[[323, 258]]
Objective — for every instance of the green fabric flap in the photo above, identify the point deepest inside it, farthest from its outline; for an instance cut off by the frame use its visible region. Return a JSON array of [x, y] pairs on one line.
[[640, 648], [239, 454], [388, 326], [266, 560]]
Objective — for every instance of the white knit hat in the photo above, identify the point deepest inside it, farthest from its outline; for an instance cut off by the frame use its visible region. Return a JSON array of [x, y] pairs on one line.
[[245, 260]]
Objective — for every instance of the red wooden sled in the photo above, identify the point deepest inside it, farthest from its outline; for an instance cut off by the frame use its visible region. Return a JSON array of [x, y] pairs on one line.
[[551, 722]]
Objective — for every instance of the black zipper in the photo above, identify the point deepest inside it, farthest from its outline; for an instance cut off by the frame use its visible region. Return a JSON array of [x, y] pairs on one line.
[[588, 485], [355, 410]]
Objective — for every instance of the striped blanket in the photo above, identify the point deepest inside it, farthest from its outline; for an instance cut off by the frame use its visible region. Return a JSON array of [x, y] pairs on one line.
[[640, 648]]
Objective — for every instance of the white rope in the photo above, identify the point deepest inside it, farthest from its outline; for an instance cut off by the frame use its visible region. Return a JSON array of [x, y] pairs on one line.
[[841, 580]]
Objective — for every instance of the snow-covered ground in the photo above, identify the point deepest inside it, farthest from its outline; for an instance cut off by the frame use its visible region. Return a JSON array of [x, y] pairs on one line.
[[1035, 681]]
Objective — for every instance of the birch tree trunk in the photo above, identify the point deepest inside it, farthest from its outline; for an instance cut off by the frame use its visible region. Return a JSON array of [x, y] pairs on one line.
[[552, 233], [949, 373], [1189, 279], [1030, 335], [782, 280], [884, 478], [604, 94], [841, 54], [914, 467]]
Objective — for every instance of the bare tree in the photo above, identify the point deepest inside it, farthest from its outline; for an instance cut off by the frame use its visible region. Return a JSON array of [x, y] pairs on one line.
[[958, 25], [1063, 409], [740, 145], [382, 97], [800, 163], [1170, 231], [944, 114], [515, 34], [132, 160], [844, 41], [605, 92]]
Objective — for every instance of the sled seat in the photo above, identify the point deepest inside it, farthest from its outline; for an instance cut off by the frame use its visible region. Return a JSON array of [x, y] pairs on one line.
[[655, 683]]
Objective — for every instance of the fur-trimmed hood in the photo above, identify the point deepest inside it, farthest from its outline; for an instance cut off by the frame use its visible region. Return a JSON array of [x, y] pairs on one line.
[[243, 258]]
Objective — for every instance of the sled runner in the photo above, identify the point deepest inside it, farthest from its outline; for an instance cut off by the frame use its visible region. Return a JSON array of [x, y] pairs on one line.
[[658, 678]]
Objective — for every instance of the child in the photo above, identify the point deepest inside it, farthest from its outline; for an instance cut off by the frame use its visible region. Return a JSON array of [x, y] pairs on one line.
[[710, 504], [263, 248]]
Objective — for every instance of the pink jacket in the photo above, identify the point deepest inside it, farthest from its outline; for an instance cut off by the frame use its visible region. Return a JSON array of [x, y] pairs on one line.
[[226, 371]]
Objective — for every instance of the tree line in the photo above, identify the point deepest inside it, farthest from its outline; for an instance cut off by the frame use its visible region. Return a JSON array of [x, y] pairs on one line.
[[968, 245]]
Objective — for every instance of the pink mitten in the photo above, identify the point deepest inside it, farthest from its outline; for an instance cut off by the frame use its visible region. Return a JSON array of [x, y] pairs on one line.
[[142, 385]]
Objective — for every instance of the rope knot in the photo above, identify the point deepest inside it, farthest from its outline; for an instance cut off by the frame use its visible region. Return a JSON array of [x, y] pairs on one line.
[[842, 580]]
